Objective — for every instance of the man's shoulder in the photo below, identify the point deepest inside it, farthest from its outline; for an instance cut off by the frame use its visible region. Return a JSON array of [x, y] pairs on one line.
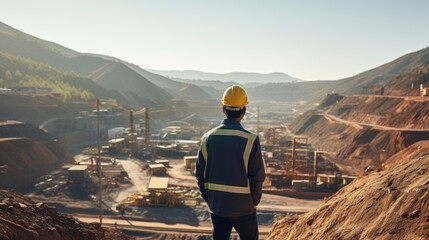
[[210, 132], [227, 130]]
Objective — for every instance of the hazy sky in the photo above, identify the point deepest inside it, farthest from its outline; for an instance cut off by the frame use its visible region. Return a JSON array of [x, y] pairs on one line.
[[305, 39]]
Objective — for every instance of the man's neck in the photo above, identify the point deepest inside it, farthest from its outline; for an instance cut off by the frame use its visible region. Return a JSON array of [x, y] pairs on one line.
[[236, 119]]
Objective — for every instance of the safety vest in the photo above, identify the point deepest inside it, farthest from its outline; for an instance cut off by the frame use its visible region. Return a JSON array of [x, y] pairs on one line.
[[250, 137]]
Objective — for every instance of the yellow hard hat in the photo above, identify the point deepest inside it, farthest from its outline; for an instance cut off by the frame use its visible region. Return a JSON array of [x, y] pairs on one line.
[[234, 96]]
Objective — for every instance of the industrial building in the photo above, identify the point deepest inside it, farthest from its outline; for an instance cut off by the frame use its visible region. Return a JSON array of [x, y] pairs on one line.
[[117, 132], [166, 163], [116, 145], [189, 161], [158, 193], [294, 164], [158, 184], [157, 169], [78, 173]]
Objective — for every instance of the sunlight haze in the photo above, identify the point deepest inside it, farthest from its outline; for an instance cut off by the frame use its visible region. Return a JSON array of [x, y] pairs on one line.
[[310, 40]]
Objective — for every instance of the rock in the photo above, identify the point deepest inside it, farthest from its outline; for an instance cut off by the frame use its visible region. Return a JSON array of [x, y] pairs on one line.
[[40, 205], [52, 211], [49, 233], [20, 218], [22, 205], [11, 209], [368, 169], [3, 206]]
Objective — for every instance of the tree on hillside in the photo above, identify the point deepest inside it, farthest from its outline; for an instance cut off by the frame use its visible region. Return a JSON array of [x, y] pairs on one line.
[[34, 74]]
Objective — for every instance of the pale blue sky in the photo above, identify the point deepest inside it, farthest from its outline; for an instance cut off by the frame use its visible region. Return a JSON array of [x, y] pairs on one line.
[[306, 39]]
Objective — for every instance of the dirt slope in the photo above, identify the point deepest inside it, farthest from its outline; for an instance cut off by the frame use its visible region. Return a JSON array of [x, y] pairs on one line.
[[363, 130], [26, 153], [22, 160], [21, 218], [391, 111], [392, 203]]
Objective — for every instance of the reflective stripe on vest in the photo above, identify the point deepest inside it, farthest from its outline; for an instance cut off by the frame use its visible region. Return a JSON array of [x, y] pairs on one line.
[[229, 132]]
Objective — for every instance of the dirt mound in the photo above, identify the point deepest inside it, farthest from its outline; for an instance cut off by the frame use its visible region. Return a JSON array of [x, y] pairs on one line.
[[27, 153], [373, 148], [21, 218], [13, 129], [392, 203], [22, 160]]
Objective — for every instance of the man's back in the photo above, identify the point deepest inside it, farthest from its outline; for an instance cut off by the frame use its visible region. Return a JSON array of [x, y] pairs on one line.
[[231, 155]]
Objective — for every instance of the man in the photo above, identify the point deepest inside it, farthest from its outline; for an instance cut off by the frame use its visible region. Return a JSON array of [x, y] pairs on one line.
[[230, 171]]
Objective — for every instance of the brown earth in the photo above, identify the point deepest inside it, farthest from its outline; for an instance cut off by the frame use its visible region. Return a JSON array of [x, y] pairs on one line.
[[26, 153], [409, 84], [391, 111], [364, 130], [21, 218], [392, 203]]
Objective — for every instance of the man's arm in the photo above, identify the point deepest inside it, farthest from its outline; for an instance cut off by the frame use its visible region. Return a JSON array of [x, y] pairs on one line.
[[199, 173], [256, 172]]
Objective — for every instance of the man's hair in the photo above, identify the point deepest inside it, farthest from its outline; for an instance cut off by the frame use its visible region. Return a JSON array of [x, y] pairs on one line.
[[233, 114]]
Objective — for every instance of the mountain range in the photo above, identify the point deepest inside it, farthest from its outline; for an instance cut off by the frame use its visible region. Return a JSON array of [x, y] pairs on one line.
[[136, 87], [239, 77], [131, 85]]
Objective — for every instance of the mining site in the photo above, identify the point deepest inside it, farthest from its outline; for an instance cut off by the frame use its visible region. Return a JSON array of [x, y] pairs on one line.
[[93, 147]]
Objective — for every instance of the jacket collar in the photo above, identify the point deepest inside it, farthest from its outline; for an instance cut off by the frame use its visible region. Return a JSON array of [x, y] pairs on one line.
[[230, 121]]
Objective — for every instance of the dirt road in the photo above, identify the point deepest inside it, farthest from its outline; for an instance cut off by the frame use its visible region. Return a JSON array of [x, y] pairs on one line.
[[374, 126], [139, 179]]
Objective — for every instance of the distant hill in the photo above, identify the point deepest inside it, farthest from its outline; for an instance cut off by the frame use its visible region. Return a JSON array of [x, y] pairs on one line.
[[216, 84], [133, 88], [362, 130], [299, 91], [239, 77], [117, 76], [194, 92], [173, 87], [23, 72], [366, 82], [409, 84], [34, 45], [379, 76]]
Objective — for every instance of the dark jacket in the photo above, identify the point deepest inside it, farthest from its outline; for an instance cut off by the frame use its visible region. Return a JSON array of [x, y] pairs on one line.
[[230, 170]]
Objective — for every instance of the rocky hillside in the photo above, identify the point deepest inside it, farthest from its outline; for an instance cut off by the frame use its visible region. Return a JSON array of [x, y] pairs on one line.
[[390, 203], [383, 74], [409, 84], [21, 218], [389, 111], [364, 130]]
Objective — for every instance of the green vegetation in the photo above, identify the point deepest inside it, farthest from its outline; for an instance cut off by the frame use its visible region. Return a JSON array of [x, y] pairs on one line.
[[18, 71]]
